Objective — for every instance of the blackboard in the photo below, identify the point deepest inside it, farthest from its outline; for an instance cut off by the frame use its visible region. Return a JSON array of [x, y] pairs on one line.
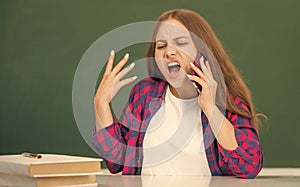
[[42, 43]]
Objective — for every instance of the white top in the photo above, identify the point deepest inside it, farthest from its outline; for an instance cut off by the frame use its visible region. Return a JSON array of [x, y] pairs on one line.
[[173, 144]]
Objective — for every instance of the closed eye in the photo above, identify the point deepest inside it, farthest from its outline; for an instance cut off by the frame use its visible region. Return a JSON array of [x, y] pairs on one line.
[[182, 40], [161, 45], [182, 43]]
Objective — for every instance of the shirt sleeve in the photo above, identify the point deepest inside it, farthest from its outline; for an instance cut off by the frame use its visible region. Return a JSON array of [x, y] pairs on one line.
[[110, 144], [247, 159]]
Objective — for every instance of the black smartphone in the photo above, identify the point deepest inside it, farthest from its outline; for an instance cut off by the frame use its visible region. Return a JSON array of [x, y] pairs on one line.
[[197, 64]]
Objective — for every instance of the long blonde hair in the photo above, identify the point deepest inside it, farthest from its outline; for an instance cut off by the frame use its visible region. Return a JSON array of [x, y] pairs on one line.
[[235, 85]]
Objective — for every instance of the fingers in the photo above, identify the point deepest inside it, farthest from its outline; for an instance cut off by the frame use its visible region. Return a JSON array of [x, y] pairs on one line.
[[110, 62], [116, 70], [127, 81], [125, 71], [205, 76], [197, 79], [198, 71], [208, 67], [117, 73], [120, 65], [205, 68]]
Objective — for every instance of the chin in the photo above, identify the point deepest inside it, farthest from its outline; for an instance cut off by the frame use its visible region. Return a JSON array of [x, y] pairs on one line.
[[176, 82]]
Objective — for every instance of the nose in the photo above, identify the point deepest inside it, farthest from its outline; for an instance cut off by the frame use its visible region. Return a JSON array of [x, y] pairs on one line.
[[170, 51]]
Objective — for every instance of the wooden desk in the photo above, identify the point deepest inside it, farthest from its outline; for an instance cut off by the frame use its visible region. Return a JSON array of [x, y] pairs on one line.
[[269, 177]]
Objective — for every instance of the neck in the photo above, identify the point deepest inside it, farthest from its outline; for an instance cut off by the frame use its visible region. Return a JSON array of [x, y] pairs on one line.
[[186, 91]]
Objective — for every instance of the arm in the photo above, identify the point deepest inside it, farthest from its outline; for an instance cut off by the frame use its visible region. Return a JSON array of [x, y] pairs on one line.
[[110, 144], [221, 127], [110, 84], [247, 159], [109, 135], [240, 153], [116, 141]]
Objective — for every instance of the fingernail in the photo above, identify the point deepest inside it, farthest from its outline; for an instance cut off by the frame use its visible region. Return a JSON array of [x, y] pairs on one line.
[[132, 64], [126, 55], [195, 85], [202, 59], [135, 77], [189, 76], [192, 64], [112, 52]]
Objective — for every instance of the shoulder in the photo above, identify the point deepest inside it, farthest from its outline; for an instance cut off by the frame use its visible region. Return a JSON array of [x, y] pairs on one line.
[[142, 94], [241, 118], [239, 102]]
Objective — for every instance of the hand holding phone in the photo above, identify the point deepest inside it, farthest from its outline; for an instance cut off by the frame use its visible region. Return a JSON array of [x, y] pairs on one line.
[[197, 64]]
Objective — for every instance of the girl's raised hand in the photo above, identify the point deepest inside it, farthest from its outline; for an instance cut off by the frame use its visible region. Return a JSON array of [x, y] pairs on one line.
[[111, 81]]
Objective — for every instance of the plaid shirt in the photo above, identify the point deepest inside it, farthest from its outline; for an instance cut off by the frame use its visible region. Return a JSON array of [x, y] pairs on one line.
[[120, 144]]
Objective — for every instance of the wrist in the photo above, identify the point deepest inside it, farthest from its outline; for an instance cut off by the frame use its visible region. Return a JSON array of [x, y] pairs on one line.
[[208, 111], [100, 101]]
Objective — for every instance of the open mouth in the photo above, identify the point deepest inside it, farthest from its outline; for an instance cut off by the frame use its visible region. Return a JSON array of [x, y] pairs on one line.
[[173, 68]]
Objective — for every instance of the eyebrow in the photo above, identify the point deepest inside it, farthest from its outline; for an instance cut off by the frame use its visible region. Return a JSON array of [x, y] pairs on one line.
[[177, 38], [162, 41]]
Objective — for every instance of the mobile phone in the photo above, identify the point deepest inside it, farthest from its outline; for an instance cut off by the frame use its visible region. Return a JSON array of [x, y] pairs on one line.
[[197, 64]]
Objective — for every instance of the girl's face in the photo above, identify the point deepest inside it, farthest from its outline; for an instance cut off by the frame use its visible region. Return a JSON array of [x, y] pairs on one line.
[[174, 50]]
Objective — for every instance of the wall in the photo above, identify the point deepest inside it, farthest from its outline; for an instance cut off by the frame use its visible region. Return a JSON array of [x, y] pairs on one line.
[[42, 43]]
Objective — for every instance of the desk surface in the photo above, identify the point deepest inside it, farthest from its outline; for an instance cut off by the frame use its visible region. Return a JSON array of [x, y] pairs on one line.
[[199, 181]]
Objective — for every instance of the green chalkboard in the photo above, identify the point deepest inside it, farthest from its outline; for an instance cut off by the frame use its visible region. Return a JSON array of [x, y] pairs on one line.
[[42, 43]]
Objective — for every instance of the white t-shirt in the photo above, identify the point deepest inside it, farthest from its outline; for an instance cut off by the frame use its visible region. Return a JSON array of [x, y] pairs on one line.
[[173, 143]]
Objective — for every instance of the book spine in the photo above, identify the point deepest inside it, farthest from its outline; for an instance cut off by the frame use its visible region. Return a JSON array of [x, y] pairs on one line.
[[13, 180], [14, 168]]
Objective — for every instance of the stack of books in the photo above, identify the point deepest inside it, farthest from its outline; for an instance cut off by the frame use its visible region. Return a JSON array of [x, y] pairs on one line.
[[48, 170]]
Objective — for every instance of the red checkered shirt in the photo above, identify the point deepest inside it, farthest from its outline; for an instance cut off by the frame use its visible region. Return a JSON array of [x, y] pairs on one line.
[[120, 144]]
